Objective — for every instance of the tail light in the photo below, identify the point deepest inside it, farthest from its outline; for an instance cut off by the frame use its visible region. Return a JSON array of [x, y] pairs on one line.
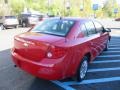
[[56, 52]]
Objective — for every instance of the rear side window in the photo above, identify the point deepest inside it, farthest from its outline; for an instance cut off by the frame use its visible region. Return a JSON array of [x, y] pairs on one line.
[[90, 28], [84, 30], [99, 27]]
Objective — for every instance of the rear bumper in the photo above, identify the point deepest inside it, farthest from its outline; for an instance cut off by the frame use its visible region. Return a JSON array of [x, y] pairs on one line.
[[13, 25], [41, 70]]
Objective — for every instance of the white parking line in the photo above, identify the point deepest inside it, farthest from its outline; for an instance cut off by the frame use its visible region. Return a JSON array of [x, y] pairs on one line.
[[103, 69], [107, 56], [116, 42], [101, 80], [111, 52], [106, 61], [113, 45], [113, 48]]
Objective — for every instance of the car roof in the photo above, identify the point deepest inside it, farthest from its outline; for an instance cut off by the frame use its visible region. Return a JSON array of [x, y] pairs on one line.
[[73, 18], [10, 16]]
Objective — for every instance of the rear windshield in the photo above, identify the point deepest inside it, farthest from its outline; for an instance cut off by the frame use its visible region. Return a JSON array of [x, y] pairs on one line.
[[31, 15], [13, 17], [57, 27], [35, 16]]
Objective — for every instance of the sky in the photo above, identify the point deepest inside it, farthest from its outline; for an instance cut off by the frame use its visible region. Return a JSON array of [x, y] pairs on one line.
[[101, 2], [118, 1], [98, 1]]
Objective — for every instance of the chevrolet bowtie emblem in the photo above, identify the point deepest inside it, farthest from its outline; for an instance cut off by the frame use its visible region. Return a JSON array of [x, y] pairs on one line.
[[25, 44]]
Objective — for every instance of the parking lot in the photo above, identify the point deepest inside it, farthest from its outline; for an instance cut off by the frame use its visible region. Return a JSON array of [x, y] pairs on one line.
[[103, 73]]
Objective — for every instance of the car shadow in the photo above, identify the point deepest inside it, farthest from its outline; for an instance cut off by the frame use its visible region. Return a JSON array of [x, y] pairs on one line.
[[41, 84]]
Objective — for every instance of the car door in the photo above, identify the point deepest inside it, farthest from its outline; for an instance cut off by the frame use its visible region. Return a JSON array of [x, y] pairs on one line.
[[103, 36], [93, 39]]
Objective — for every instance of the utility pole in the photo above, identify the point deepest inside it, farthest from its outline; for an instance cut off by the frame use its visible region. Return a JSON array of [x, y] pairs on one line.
[[68, 7], [48, 7], [82, 5], [64, 7]]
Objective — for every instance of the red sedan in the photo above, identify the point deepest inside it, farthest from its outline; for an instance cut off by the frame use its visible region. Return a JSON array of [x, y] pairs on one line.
[[58, 48]]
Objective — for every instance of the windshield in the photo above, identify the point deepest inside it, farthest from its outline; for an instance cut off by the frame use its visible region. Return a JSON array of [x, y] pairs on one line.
[[35, 16], [54, 26]]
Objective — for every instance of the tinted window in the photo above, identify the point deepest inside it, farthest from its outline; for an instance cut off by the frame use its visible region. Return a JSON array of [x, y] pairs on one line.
[[36, 16], [90, 28], [99, 27], [10, 17], [84, 30], [25, 15], [31, 15], [54, 27]]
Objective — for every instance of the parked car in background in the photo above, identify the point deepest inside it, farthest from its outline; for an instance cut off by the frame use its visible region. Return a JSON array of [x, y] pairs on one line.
[[8, 21], [27, 19], [117, 19], [58, 48]]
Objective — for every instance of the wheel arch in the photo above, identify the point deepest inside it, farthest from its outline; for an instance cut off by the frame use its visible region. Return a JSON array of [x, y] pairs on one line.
[[88, 54]]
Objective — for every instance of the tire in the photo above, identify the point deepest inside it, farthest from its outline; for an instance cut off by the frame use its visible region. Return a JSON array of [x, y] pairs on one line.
[[16, 26], [82, 69], [107, 46], [2, 27], [23, 24]]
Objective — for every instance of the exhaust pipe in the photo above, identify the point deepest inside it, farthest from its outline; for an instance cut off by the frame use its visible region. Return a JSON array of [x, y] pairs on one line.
[[15, 65]]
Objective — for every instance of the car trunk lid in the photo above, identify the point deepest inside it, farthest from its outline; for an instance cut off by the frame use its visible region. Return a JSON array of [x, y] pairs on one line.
[[34, 46]]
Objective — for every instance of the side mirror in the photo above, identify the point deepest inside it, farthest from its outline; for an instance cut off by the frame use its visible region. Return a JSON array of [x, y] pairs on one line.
[[106, 30]]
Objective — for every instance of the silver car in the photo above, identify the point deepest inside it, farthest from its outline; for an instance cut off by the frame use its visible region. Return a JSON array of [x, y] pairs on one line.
[[8, 21]]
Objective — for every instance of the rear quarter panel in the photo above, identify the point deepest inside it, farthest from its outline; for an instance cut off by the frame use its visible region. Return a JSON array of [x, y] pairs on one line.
[[76, 49]]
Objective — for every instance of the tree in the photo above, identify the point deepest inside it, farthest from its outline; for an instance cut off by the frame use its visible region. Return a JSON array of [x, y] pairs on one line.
[[108, 8], [17, 6], [59, 7]]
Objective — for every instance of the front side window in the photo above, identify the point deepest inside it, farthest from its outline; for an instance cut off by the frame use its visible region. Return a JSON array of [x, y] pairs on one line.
[[90, 27], [99, 27], [54, 26]]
